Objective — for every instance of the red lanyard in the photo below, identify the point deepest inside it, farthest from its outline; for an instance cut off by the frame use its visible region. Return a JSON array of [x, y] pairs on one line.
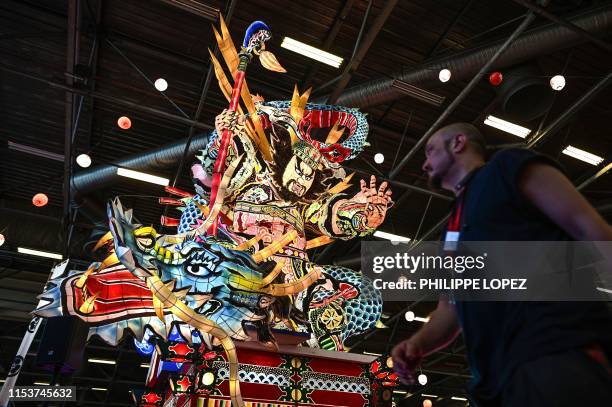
[[454, 226], [454, 222]]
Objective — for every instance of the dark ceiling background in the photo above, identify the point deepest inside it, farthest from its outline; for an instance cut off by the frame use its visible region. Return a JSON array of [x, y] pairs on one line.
[[164, 40]]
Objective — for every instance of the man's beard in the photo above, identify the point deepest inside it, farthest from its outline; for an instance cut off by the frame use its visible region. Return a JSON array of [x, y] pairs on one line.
[[435, 182]]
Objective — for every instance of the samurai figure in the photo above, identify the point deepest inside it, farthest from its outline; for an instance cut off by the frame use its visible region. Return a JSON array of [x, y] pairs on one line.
[[300, 191], [268, 189]]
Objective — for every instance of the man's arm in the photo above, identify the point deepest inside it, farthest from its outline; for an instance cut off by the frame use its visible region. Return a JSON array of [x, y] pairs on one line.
[[555, 196], [441, 329]]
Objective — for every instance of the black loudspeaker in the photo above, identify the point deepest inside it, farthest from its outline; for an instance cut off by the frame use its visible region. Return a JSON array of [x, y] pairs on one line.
[[62, 344]]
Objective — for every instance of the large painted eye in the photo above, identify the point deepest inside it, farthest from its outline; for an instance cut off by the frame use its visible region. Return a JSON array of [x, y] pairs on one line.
[[202, 263], [197, 269]]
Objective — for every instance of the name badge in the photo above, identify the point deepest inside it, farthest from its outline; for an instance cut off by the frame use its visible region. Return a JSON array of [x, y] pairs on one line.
[[451, 240]]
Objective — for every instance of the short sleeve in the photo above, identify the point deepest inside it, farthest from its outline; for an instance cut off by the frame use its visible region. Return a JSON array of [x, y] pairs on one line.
[[512, 162]]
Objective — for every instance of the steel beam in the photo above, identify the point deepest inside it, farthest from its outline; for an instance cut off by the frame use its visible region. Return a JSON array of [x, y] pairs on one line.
[[72, 57], [353, 64], [203, 94], [455, 103], [571, 111], [113, 100], [329, 40], [562, 22]]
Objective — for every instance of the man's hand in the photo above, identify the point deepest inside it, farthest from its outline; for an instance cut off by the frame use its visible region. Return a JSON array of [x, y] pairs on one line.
[[406, 357], [376, 201], [441, 329]]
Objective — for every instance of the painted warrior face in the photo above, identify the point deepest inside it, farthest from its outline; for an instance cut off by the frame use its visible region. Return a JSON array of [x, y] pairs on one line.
[[298, 176]]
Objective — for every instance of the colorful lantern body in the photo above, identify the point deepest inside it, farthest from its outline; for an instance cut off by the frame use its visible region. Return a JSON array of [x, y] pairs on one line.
[[211, 289]]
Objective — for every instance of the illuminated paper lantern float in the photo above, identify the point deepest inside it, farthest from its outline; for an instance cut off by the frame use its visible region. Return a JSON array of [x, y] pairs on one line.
[[225, 307]]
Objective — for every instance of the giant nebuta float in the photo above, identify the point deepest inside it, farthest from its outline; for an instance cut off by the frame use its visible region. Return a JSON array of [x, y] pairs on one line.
[[230, 306]]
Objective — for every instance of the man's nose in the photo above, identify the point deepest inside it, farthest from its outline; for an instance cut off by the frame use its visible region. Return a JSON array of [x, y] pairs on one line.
[[426, 166]]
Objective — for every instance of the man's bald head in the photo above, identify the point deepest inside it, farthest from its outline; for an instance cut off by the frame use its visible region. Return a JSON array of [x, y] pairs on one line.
[[451, 152], [472, 134]]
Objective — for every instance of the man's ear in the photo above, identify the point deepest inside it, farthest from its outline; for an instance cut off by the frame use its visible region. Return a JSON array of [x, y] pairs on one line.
[[459, 143]]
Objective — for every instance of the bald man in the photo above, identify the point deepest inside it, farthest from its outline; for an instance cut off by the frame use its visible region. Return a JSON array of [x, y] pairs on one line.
[[520, 353]]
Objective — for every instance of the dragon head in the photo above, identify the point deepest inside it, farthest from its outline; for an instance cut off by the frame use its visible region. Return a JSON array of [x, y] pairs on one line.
[[212, 278]]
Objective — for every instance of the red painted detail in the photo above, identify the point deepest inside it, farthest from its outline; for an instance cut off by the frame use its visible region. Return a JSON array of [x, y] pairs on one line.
[[334, 398], [382, 375], [335, 367], [209, 355], [346, 291], [390, 384], [171, 202], [151, 398], [118, 292], [184, 383], [178, 192], [259, 358], [181, 349], [168, 221]]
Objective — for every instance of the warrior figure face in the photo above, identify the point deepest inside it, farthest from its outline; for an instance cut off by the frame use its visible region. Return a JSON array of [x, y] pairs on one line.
[[298, 176]]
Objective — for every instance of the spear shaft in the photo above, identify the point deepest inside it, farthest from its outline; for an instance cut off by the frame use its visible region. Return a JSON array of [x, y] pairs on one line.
[[226, 138]]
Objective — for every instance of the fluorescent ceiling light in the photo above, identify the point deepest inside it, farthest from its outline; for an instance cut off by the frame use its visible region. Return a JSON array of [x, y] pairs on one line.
[[39, 253], [373, 354], [400, 392], [99, 389], [41, 383], [459, 398], [101, 361], [141, 176], [311, 52], [433, 396], [145, 365], [583, 155], [506, 126], [391, 236]]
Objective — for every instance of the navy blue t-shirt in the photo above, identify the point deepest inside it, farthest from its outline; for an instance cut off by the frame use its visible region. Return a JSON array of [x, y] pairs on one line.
[[501, 335]]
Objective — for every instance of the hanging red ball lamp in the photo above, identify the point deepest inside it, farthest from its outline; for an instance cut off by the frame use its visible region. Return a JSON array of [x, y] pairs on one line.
[[40, 200], [124, 122], [496, 78]]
